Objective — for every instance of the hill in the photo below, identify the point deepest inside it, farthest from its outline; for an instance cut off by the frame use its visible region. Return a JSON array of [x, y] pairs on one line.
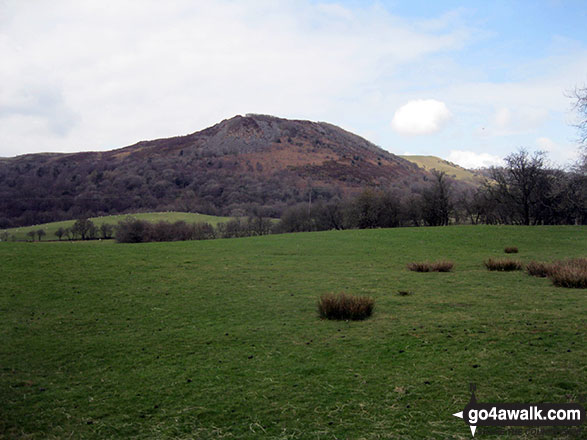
[[20, 233], [226, 169], [222, 339], [452, 170]]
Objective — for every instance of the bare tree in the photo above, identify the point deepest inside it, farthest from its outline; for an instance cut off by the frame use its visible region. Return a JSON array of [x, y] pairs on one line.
[[576, 192], [580, 105], [520, 186], [579, 95], [436, 200], [59, 233], [32, 235], [41, 233]]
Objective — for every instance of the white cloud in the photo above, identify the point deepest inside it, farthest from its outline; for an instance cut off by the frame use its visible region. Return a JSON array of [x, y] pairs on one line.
[[560, 154], [471, 159], [503, 117], [97, 75], [120, 72], [521, 120], [421, 116], [545, 144]]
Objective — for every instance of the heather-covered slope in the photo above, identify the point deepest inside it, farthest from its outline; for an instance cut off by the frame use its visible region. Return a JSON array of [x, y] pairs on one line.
[[226, 169]]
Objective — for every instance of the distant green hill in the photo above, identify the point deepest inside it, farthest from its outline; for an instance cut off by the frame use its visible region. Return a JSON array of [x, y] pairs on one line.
[[51, 228], [452, 170]]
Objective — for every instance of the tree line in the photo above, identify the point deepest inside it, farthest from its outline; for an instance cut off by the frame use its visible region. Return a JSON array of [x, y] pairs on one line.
[[525, 191], [82, 229]]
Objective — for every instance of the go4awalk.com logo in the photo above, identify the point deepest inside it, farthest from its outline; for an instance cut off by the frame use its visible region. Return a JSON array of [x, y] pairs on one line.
[[520, 414]]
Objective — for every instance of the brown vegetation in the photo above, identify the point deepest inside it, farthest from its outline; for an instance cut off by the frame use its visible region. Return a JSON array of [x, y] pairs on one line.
[[569, 273], [564, 273], [503, 264], [538, 269], [345, 307], [511, 250], [435, 266]]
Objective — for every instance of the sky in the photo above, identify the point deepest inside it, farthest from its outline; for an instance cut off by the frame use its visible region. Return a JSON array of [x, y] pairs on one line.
[[468, 81]]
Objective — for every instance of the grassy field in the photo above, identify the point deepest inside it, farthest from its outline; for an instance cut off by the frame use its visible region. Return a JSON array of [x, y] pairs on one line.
[[50, 228], [221, 339], [451, 169]]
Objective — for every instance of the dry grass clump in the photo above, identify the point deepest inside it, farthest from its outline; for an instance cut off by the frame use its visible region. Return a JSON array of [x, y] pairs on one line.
[[503, 264], [511, 250], [538, 268], [565, 273], [435, 266], [569, 273], [343, 306], [419, 267]]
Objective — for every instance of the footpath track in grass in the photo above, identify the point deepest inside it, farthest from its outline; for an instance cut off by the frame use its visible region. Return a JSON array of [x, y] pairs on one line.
[[222, 339]]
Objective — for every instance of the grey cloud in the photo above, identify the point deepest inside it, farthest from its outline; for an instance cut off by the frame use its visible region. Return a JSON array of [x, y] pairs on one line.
[[46, 103]]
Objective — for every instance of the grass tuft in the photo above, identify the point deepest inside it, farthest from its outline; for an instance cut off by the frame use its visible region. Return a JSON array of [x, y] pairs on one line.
[[511, 250], [442, 266], [343, 306], [565, 273], [435, 266], [538, 269], [419, 267], [569, 273], [503, 264]]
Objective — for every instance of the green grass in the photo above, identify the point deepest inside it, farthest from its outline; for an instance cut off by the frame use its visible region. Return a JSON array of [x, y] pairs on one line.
[[50, 228], [221, 338], [451, 169]]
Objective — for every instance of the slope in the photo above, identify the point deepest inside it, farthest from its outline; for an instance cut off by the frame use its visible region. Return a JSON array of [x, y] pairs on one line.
[[226, 169], [452, 170], [20, 233]]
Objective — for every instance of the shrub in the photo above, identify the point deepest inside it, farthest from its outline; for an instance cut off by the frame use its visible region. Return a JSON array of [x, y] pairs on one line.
[[84, 228], [442, 266], [132, 230], [60, 233], [233, 229], [165, 231], [106, 230], [436, 266], [343, 306], [511, 250], [203, 231], [503, 264], [538, 269], [569, 273]]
